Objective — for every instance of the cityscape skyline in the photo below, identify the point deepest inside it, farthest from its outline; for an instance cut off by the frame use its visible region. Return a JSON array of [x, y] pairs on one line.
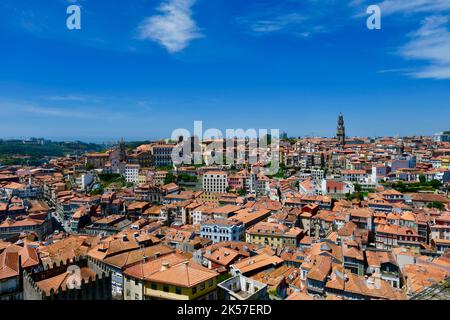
[[113, 140]]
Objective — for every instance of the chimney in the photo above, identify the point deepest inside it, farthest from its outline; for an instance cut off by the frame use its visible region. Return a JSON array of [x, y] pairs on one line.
[[376, 281], [165, 265], [370, 282]]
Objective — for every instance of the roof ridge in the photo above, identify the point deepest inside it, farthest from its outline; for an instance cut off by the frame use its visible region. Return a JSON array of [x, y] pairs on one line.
[[187, 272], [3, 259]]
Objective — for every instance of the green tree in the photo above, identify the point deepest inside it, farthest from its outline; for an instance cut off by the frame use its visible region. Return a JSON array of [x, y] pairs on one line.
[[436, 205], [97, 191], [422, 179], [170, 177], [400, 186], [436, 184], [110, 177], [187, 178], [166, 168]]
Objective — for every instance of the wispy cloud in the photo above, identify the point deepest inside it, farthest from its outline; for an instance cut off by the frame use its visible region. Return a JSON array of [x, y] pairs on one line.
[[398, 70], [174, 28], [413, 6], [67, 98], [58, 112], [269, 23], [112, 110], [291, 17], [29, 108], [430, 43]]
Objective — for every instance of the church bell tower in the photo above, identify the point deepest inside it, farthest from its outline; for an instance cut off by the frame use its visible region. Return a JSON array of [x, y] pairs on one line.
[[340, 135]]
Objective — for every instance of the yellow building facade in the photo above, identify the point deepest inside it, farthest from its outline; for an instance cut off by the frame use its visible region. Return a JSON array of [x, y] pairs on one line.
[[206, 290], [273, 240]]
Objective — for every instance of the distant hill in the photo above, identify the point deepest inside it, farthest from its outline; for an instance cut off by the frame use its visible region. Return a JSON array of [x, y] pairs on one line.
[[22, 152]]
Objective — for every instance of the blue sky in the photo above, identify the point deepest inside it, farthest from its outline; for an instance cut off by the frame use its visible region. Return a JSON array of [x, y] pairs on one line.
[[140, 69]]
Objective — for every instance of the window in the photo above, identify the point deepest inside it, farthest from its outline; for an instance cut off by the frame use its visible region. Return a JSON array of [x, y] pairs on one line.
[[194, 290], [178, 290], [166, 289], [210, 283], [128, 293], [153, 286], [136, 296], [202, 286]]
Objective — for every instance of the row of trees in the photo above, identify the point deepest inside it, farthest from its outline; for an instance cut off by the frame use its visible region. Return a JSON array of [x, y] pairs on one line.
[[170, 177]]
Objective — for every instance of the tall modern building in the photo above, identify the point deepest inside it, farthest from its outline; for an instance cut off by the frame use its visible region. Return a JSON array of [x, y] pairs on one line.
[[340, 135]]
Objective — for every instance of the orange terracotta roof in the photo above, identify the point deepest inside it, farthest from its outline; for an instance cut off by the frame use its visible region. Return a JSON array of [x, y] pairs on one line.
[[9, 265], [253, 263], [185, 274], [144, 270], [60, 281]]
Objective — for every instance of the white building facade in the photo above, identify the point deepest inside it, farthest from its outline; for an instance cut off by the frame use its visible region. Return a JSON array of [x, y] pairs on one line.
[[215, 182], [132, 173]]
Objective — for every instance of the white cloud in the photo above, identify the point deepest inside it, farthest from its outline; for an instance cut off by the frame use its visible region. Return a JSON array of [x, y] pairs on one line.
[[174, 28], [413, 6], [431, 43], [433, 72], [390, 7]]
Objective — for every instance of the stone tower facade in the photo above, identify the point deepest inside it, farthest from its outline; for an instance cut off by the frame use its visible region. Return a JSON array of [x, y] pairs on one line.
[[122, 151], [340, 135]]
